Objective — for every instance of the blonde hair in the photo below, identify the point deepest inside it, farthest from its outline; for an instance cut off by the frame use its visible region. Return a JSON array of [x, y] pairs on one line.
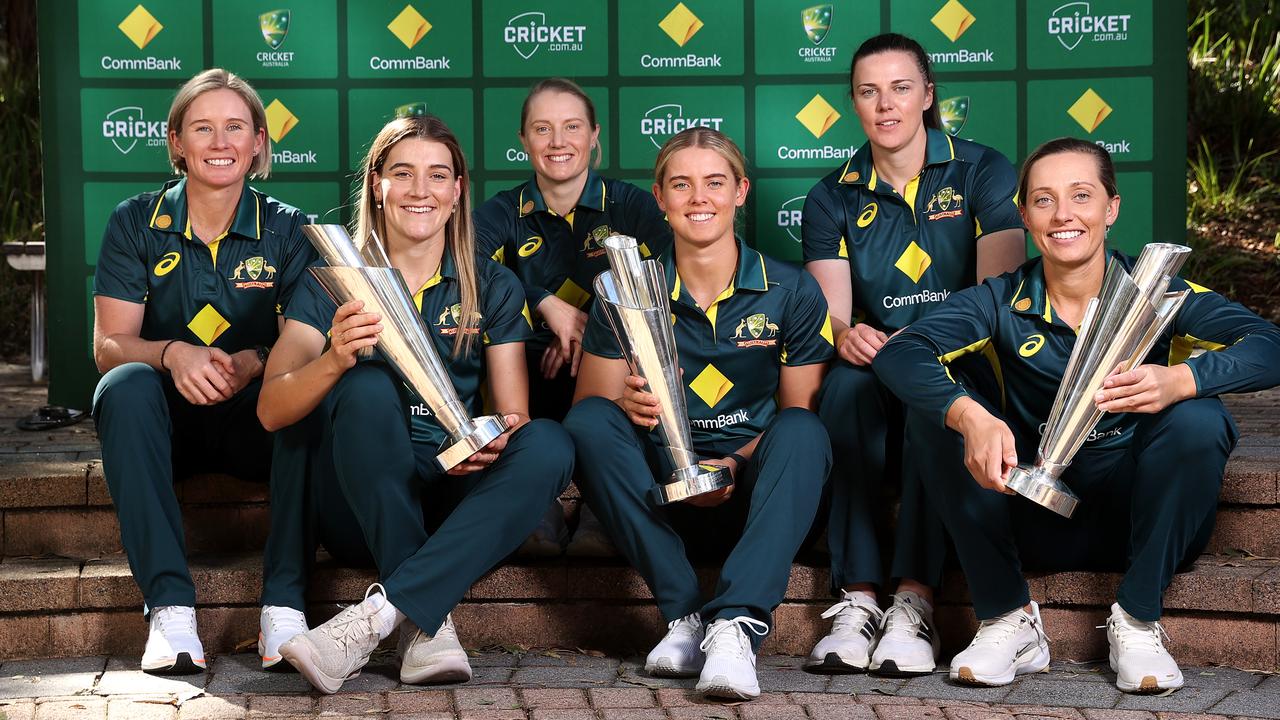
[[701, 137], [568, 87], [219, 79], [459, 238]]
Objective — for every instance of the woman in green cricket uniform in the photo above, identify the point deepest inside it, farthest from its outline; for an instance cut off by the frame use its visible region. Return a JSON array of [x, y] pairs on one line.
[[549, 229], [913, 216], [753, 339], [186, 294], [375, 471], [1148, 476]]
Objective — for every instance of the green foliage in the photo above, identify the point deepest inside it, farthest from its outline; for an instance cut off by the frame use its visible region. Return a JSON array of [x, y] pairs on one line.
[[21, 209]]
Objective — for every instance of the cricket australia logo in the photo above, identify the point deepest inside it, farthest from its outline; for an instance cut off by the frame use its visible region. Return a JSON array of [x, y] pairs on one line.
[[756, 331], [593, 245], [449, 318], [254, 268], [944, 204], [274, 26], [816, 21]]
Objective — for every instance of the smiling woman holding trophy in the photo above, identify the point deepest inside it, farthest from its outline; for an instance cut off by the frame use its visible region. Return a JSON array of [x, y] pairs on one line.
[[749, 341], [1129, 457], [450, 320]]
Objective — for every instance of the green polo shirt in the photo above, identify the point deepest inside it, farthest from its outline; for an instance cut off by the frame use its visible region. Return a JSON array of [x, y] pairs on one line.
[[908, 252], [1009, 320], [225, 294], [503, 319], [772, 314], [562, 255]]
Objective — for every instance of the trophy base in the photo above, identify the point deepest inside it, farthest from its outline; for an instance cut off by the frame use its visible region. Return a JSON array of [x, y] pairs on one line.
[[1043, 489], [690, 481], [483, 430]]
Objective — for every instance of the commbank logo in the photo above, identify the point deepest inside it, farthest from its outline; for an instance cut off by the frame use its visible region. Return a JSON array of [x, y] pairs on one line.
[[1089, 110], [1071, 22], [790, 215], [818, 116], [680, 24], [953, 19], [140, 26], [527, 32], [816, 21], [955, 112], [280, 121], [409, 26], [913, 262], [662, 121], [125, 126], [275, 27]]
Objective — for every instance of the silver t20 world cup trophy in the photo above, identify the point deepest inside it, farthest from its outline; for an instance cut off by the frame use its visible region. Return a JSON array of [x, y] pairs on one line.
[[633, 295], [1120, 327], [364, 272]]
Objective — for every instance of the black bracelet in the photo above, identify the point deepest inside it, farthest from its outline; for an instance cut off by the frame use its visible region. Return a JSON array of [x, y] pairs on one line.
[[741, 461], [164, 350]]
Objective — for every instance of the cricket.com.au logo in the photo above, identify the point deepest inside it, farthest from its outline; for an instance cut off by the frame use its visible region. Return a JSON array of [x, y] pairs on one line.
[[125, 127], [528, 32], [1073, 22], [141, 27], [816, 22], [681, 25], [660, 122], [790, 215], [953, 20], [409, 27], [274, 25]]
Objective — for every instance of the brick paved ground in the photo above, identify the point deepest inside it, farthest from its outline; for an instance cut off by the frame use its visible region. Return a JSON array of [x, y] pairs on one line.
[[564, 685]]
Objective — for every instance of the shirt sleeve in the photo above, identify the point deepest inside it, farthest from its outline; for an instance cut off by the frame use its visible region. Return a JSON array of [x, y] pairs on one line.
[[992, 195], [311, 305], [649, 222], [506, 317], [299, 255], [1243, 349], [599, 338], [122, 261], [806, 332], [495, 238], [822, 226], [913, 364]]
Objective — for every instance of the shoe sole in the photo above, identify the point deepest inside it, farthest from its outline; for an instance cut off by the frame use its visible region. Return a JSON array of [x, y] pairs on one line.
[[1039, 662], [832, 664], [274, 664], [181, 665], [668, 669], [720, 687], [300, 657], [1147, 685], [448, 670], [889, 668]]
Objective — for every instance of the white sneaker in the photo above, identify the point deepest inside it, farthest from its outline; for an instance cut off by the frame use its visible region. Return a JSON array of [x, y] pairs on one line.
[[1137, 656], [730, 668], [847, 648], [334, 652], [276, 625], [173, 647], [435, 658], [908, 643], [679, 652], [1009, 645]]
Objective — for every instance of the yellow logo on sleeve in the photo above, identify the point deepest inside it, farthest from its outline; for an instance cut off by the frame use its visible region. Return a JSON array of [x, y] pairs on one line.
[[868, 215], [531, 246], [167, 264], [1031, 346]]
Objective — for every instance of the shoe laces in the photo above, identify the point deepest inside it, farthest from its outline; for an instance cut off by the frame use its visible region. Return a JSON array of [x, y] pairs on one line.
[[1135, 635], [284, 619], [447, 630], [175, 619], [357, 624], [851, 614], [996, 631], [903, 618], [730, 636], [690, 625]]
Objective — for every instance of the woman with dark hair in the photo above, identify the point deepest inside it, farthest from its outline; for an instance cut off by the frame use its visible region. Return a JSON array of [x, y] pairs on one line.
[[750, 400], [375, 472], [913, 216], [1148, 476], [183, 340], [549, 231]]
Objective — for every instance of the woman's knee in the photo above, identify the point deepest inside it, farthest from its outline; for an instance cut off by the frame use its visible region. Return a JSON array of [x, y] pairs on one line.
[[589, 416], [132, 386], [367, 387], [551, 446], [1197, 427]]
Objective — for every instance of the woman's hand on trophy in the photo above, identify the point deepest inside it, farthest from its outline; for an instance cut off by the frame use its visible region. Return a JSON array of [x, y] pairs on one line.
[[201, 374], [860, 343], [716, 497], [567, 323], [1146, 389], [641, 407], [989, 448], [352, 331], [485, 456]]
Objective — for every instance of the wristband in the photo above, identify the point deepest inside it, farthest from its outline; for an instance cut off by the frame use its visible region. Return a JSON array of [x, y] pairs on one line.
[[741, 461], [164, 350]]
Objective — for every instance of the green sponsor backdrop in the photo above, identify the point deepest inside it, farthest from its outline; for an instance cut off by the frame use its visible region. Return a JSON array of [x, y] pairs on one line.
[[1009, 75]]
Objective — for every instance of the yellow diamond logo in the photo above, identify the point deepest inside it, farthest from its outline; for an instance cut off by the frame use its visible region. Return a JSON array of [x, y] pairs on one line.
[[913, 262], [208, 324], [711, 385], [680, 24], [279, 120], [141, 27], [409, 26], [953, 19], [1090, 110], [818, 116]]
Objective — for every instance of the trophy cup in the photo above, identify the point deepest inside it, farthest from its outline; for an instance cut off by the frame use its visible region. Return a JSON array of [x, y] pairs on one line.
[[1120, 327], [633, 294], [363, 272]]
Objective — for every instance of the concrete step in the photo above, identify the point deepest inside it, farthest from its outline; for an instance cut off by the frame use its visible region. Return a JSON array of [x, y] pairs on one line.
[[1225, 610]]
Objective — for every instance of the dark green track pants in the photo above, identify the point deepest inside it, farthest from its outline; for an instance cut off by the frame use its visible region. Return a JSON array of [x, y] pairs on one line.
[[756, 532], [1145, 510]]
